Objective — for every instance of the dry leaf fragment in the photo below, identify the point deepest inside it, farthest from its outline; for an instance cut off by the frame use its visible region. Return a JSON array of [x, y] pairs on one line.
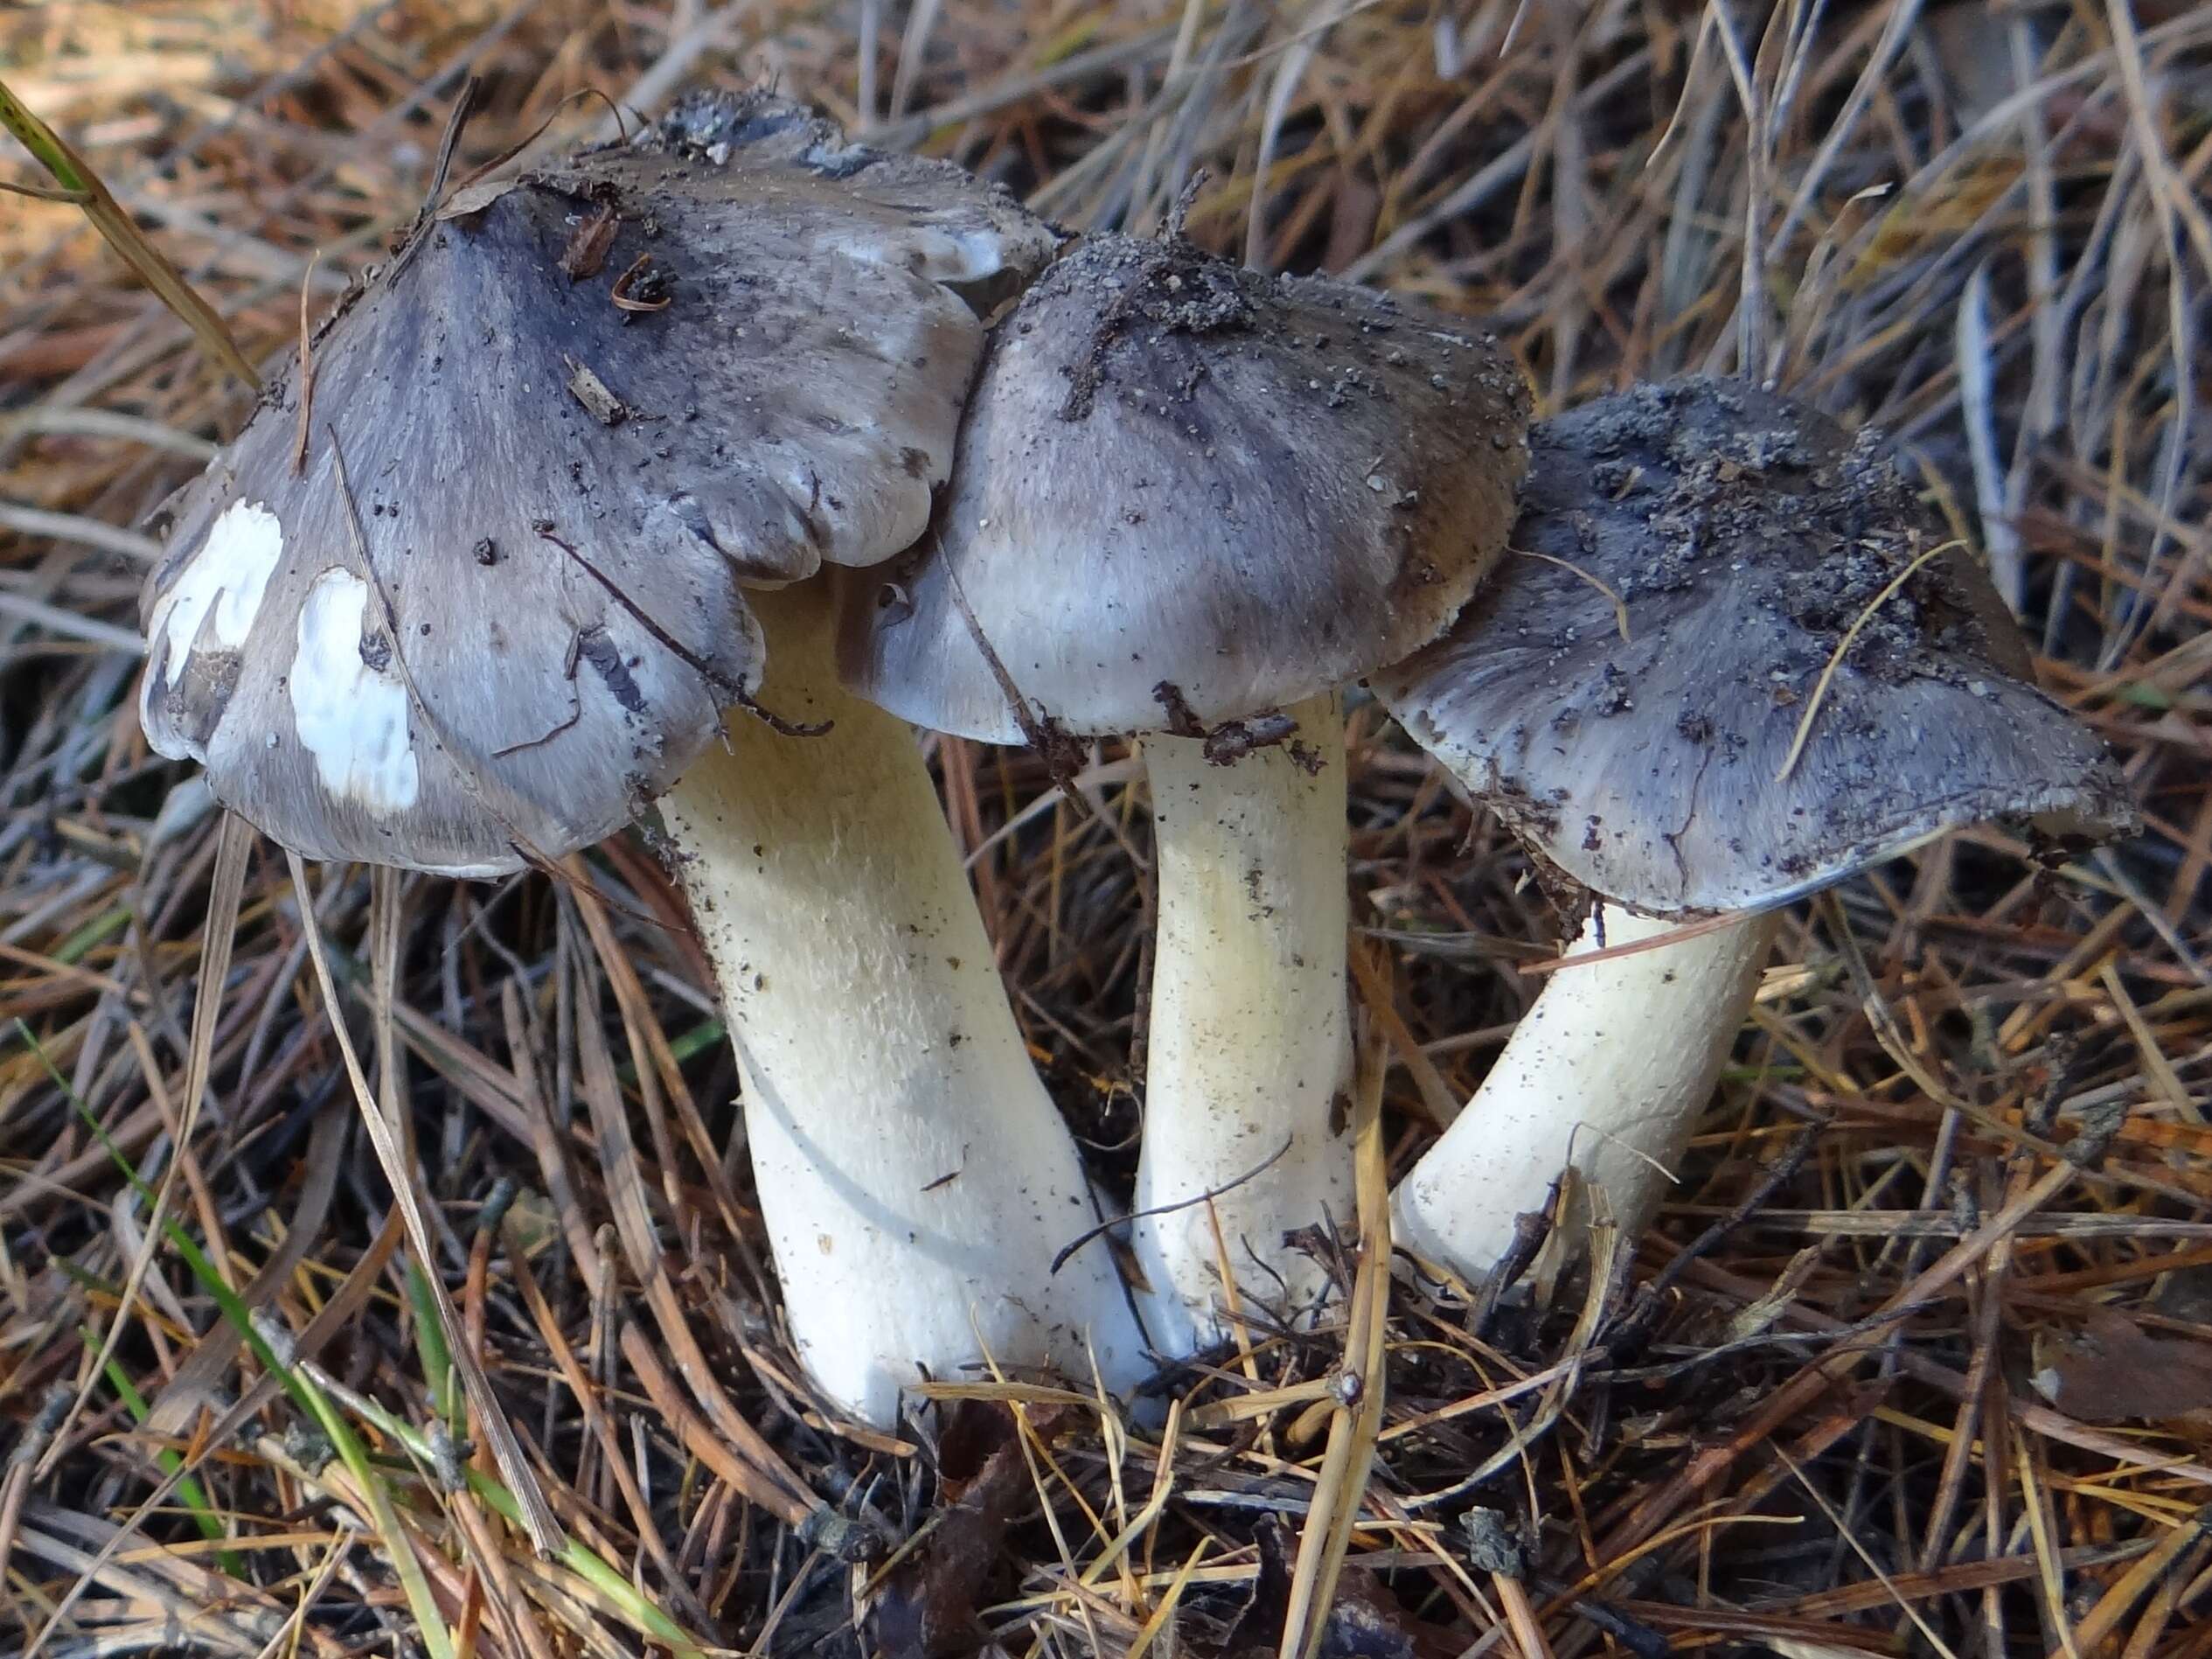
[[2110, 1372], [586, 255]]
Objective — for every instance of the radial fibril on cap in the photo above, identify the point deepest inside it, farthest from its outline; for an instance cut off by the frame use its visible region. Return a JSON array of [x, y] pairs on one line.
[[1745, 535], [1191, 490], [577, 414]]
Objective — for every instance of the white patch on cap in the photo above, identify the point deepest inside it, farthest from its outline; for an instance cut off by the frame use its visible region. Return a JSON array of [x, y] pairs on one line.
[[223, 581], [943, 253], [219, 590], [352, 718]]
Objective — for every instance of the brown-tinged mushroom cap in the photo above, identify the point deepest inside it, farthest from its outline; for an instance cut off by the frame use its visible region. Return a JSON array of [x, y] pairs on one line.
[[498, 603], [1189, 493], [1744, 535]]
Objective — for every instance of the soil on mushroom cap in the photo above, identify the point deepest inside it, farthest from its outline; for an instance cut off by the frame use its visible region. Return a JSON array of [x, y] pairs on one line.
[[1159, 309], [1711, 759], [1165, 287], [1682, 463]]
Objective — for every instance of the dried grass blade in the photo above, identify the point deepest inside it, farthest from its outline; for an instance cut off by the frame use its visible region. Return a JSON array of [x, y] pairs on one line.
[[2049, 1574], [683, 1422], [287, 1635], [1612, 594], [194, 1602], [639, 1024], [1520, 1617], [1153, 1626], [189, 1384], [2156, 1066], [1887, 1032], [2156, 1566], [1034, 1450], [341, 1307], [1843, 648], [1341, 1485], [1436, 1097], [538, 1519], [15, 1485], [234, 842], [1141, 1522], [625, 1184], [1653, 1510], [1976, 405], [595, 1420], [697, 1438], [1844, 1531], [516, 1619]]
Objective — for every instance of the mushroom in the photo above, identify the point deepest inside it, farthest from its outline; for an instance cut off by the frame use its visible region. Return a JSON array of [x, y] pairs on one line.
[[1190, 502], [471, 593], [1743, 665]]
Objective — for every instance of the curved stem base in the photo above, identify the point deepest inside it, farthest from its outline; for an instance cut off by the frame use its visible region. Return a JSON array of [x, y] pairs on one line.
[[1610, 1069]]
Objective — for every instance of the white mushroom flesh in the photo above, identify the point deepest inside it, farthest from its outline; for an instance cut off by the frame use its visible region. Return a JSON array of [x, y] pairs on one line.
[[1247, 1052]]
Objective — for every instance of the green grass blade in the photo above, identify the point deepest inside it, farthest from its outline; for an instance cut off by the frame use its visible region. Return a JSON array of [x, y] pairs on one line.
[[437, 1640], [80, 183], [645, 1617], [189, 1493], [437, 1358]]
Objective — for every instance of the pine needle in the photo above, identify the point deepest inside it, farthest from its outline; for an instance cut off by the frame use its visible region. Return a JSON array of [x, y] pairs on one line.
[[1843, 648]]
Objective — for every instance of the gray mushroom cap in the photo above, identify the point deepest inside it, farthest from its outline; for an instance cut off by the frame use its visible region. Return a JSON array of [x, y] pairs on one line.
[[499, 604], [1744, 535], [1189, 493]]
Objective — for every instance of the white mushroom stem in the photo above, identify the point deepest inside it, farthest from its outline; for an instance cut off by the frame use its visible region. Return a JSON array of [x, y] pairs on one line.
[[917, 1179], [1610, 1069], [1248, 1050]]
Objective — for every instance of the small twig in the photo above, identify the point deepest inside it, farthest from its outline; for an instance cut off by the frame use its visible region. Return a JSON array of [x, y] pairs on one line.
[[457, 119], [307, 367], [1770, 1181], [507, 155], [1062, 754], [1531, 1229], [777, 723], [1258, 1169], [734, 692]]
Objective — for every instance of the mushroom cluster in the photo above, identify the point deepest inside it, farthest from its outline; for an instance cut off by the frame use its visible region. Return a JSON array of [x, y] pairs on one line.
[[677, 477]]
